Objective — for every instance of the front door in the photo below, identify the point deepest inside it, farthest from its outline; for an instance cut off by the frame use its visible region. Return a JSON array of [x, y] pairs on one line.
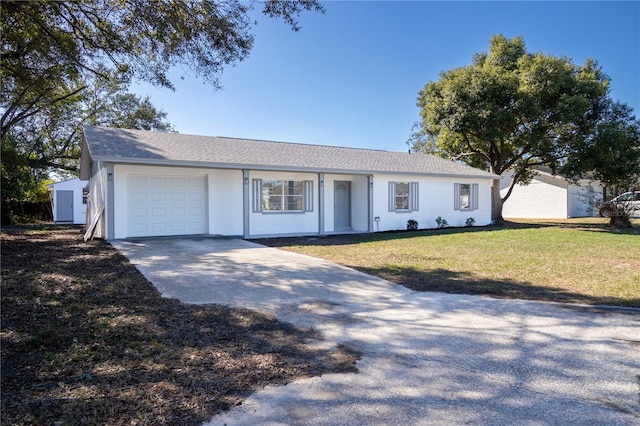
[[342, 206], [64, 207]]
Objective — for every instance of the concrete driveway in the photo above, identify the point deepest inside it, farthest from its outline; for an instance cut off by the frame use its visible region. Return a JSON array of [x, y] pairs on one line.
[[428, 358]]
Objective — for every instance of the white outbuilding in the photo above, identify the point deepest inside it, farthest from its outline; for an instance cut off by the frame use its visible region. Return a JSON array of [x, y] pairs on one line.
[[550, 196], [69, 201]]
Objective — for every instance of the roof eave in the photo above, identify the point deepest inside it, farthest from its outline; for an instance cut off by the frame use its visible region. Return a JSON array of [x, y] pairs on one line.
[[266, 167], [85, 158]]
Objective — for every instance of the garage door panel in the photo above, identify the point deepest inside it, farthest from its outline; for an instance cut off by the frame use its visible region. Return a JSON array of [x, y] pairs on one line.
[[158, 196], [138, 228], [138, 196], [159, 227], [158, 212], [137, 181], [177, 196], [195, 227], [177, 182], [173, 205]]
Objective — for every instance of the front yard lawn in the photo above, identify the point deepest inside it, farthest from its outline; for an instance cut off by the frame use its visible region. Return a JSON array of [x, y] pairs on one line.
[[581, 261]]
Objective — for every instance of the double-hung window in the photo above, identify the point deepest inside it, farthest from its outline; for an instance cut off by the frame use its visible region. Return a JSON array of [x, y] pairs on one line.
[[403, 196], [271, 195], [465, 196]]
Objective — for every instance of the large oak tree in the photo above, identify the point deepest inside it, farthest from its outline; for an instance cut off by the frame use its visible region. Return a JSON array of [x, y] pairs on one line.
[[48, 45], [57, 58], [50, 139], [511, 110]]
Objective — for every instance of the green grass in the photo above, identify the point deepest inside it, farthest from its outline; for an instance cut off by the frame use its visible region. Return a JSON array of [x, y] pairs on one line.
[[570, 261]]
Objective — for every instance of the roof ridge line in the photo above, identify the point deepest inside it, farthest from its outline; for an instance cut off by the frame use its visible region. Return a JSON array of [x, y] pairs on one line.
[[305, 144]]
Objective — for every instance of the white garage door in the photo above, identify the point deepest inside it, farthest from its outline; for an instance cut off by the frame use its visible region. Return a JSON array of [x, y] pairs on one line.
[[165, 205]]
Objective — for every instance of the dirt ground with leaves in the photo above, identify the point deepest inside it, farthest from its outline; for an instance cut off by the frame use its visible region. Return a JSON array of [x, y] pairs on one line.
[[86, 339]]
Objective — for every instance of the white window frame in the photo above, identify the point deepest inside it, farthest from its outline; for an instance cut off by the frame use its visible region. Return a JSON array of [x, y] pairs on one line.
[[472, 203], [412, 197], [258, 194]]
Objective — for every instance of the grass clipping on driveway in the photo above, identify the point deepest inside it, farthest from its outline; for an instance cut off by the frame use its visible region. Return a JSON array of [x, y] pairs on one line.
[[86, 339], [579, 261]]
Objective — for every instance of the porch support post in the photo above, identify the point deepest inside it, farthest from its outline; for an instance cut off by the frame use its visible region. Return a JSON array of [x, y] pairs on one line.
[[109, 207], [320, 203], [246, 203], [370, 197]]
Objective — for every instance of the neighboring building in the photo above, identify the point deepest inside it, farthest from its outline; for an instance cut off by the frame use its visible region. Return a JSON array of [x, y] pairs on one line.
[[69, 201], [550, 196], [153, 184]]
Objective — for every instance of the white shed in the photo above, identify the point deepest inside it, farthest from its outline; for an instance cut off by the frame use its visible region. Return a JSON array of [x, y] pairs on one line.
[[69, 201], [550, 196]]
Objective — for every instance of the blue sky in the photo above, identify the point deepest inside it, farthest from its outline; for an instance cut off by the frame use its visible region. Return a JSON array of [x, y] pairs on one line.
[[351, 77]]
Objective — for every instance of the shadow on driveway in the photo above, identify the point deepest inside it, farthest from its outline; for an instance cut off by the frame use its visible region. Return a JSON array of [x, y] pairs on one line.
[[428, 358]]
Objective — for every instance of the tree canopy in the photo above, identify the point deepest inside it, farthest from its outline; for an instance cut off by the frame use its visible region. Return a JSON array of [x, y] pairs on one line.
[[511, 110], [611, 153], [47, 46], [68, 63], [50, 140]]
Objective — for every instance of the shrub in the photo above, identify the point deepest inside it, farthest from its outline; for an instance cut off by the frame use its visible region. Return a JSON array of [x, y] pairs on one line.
[[442, 223], [470, 222], [412, 225]]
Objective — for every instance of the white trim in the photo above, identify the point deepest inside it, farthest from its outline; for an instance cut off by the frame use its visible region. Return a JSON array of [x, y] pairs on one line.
[[264, 168]]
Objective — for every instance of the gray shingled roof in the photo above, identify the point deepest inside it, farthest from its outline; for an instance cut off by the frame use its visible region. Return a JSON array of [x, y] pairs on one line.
[[144, 147]]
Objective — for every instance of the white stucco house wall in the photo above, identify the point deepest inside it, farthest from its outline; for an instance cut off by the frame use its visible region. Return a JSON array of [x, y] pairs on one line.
[[550, 196], [145, 183], [68, 202]]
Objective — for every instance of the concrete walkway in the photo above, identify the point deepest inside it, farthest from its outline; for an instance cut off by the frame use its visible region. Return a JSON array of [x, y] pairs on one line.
[[428, 358]]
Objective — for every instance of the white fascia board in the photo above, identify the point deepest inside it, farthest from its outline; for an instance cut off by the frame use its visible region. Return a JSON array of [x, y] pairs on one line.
[[263, 167]]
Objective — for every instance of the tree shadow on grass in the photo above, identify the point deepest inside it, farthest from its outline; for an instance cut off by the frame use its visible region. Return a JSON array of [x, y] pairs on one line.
[[346, 239], [446, 281]]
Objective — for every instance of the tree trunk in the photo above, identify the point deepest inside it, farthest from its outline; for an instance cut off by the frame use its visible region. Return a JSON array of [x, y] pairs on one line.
[[496, 203]]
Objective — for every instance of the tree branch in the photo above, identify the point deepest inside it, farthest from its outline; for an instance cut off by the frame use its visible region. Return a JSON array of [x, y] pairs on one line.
[[475, 151], [24, 115]]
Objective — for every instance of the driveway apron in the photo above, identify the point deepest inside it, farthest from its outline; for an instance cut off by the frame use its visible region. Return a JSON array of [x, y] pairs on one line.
[[427, 358]]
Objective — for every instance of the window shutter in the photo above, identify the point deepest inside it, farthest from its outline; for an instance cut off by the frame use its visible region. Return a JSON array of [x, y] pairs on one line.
[[474, 196], [307, 194], [257, 195], [392, 196], [456, 196], [414, 194]]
